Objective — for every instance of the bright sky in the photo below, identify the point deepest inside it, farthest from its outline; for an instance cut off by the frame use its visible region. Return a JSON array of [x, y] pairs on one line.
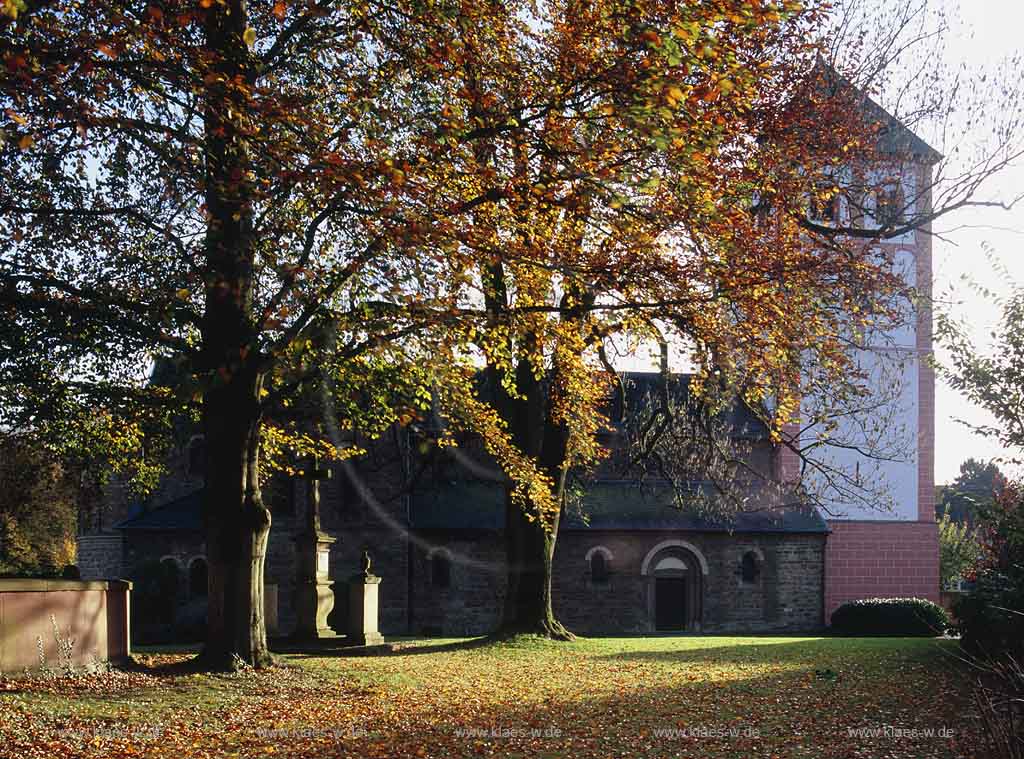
[[982, 33]]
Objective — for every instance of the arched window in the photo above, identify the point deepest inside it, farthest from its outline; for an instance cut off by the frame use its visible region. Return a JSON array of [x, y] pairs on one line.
[[197, 578], [440, 570], [823, 205], [890, 206], [599, 561], [197, 457], [749, 569], [598, 568]]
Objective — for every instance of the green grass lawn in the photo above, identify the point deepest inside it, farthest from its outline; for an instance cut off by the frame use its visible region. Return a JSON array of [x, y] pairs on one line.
[[613, 697]]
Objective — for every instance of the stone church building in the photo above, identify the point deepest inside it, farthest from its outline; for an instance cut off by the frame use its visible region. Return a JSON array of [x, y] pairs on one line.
[[626, 561]]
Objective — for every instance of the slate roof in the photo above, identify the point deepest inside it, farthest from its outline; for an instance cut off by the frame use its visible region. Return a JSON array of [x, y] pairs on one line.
[[181, 514], [894, 137], [609, 505], [742, 422], [467, 505]]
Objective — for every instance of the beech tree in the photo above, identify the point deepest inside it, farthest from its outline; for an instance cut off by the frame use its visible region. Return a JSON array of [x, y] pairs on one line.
[[685, 196], [388, 194], [215, 183], [627, 208]]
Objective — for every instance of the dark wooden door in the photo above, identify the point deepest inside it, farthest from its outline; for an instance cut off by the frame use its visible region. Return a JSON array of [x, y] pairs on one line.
[[669, 603]]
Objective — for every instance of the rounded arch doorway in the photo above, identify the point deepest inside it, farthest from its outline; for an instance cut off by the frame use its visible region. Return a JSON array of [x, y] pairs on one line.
[[675, 587]]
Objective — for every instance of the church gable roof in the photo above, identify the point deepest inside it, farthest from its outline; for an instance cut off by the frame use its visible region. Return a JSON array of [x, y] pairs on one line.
[[642, 387], [893, 136], [607, 505], [181, 514]]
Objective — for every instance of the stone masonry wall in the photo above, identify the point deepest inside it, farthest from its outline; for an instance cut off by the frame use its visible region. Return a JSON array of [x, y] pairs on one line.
[[99, 557], [786, 596], [473, 601]]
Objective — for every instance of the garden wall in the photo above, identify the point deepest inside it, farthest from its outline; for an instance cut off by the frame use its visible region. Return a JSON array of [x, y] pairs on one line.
[[92, 614]]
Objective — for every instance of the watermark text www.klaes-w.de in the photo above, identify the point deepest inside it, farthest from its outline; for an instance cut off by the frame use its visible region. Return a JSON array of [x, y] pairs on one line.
[[298, 733], [892, 731], [707, 731], [497, 731]]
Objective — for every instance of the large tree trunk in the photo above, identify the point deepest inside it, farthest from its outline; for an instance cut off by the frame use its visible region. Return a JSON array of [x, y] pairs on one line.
[[530, 542], [237, 523], [238, 527], [530, 551]]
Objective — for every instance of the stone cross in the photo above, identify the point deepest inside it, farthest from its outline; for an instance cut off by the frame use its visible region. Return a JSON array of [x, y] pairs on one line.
[[314, 475], [314, 597]]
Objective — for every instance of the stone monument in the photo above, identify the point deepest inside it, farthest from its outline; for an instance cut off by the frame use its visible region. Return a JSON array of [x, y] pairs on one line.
[[363, 608], [314, 598]]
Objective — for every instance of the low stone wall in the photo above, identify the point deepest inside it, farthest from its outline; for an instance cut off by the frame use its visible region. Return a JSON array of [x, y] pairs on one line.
[[40, 614]]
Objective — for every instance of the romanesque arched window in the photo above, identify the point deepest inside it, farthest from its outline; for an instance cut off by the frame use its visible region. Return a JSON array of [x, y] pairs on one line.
[[599, 563], [598, 568]]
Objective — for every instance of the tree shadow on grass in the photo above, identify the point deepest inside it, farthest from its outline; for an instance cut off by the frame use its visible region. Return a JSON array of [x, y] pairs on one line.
[[415, 647]]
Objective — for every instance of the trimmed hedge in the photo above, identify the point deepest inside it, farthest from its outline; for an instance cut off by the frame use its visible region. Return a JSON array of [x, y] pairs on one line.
[[890, 616]]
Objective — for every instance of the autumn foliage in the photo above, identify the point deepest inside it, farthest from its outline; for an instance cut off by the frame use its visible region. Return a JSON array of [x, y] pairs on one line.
[[365, 203]]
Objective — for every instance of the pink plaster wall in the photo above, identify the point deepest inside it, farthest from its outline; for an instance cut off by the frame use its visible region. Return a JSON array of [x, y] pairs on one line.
[[94, 614]]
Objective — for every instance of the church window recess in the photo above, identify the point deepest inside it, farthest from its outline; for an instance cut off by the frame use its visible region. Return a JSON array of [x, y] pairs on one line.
[[823, 205], [598, 561], [890, 206], [351, 495], [197, 578], [749, 568]]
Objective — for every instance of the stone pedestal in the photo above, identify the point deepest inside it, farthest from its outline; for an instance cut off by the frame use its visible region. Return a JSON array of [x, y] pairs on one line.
[[363, 611], [314, 597]]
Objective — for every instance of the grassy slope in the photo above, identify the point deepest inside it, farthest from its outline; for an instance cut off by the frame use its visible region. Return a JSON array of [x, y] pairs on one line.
[[779, 697]]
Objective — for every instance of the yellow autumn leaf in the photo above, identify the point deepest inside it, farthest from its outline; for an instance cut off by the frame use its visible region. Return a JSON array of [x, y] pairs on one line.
[[11, 8], [26, 142], [249, 36]]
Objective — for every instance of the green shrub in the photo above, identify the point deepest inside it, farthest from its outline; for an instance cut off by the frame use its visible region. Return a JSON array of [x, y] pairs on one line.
[[990, 619], [890, 616]]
